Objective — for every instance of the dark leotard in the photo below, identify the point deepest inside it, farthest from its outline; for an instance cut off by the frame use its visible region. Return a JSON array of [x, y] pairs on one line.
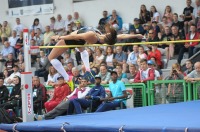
[[82, 42]]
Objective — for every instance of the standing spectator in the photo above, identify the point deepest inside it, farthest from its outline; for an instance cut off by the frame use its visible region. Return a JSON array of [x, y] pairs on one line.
[[4, 93], [189, 67], [39, 37], [136, 28], [144, 15], [18, 27], [155, 15], [187, 15], [168, 14], [35, 26], [115, 20], [59, 25], [61, 90], [47, 36], [52, 76], [52, 20], [116, 95], [109, 58], [5, 31], [104, 74], [133, 56], [103, 21], [190, 46], [7, 49]]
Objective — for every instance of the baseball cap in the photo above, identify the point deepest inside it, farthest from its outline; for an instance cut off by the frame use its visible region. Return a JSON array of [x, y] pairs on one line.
[[97, 76], [150, 62]]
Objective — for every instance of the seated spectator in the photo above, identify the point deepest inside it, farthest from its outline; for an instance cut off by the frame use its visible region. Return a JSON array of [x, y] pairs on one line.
[[175, 90], [133, 72], [103, 21], [178, 23], [157, 54], [39, 95], [190, 46], [42, 65], [189, 67], [152, 37], [89, 75], [13, 41], [144, 74], [7, 49], [20, 62], [120, 56], [5, 32], [136, 28], [35, 26], [144, 15], [104, 74], [164, 24], [94, 96], [76, 76], [151, 65], [59, 25], [52, 76], [91, 56], [16, 72], [168, 14], [39, 37], [141, 53], [61, 90], [121, 74], [5, 76], [115, 20], [47, 35], [194, 76], [98, 58], [4, 93], [68, 30], [156, 29], [77, 18], [52, 23], [109, 58], [68, 22], [69, 67], [63, 108], [34, 52], [78, 25], [10, 63], [197, 21], [15, 95], [116, 95], [155, 15], [96, 70], [19, 44], [18, 27], [67, 58]]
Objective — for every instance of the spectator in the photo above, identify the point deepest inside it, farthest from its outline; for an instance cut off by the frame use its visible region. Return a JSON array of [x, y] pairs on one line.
[[39, 37], [69, 67], [155, 15], [120, 56], [136, 28], [61, 90], [177, 23], [197, 21], [39, 95], [187, 15], [35, 26], [7, 49], [15, 95], [116, 95], [152, 36], [141, 53], [91, 56], [156, 54], [164, 24], [168, 14], [52, 20], [42, 64], [34, 52], [195, 11], [19, 44], [99, 57], [144, 74], [59, 25], [104, 74], [13, 41], [10, 63], [5, 76], [78, 25], [109, 58], [20, 62], [156, 29], [77, 18], [68, 22], [94, 96], [47, 36], [5, 32], [76, 76], [16, 72], [68, 30], [103, 21], [194, 76], [4, 93], [144, 15], [133, 56], [52, 76], [190, 46], [115, 20], [121, 74], [152, 65], [189, 67], [175, 90], [132, 74], [18, 27], [68, 58], [80, 92]]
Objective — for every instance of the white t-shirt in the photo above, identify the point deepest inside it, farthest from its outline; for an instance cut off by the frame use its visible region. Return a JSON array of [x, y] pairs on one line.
[[68, 22], [155, 14], [36, 27], [19, 28], [58, 25], [109, 58], [13, 41], [52, 78]]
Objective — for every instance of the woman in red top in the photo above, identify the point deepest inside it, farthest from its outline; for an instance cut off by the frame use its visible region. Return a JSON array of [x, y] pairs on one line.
[[156, 54], [60, 92]]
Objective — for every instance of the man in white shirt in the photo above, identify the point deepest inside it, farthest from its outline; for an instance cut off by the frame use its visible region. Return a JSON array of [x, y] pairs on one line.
[[68, 21], [15, 73], [59, 25], [13, 39], [18, 27]]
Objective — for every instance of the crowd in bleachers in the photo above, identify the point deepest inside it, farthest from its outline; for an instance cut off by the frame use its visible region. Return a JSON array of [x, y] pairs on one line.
[[121, 64]]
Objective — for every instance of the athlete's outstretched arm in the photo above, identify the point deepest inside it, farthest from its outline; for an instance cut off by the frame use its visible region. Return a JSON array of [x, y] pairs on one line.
[[128, 36]]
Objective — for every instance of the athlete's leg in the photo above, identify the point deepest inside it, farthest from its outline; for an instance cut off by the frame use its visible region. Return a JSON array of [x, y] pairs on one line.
[[55, 62]]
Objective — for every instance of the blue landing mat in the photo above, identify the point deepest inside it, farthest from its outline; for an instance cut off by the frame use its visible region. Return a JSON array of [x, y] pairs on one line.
[[179, 117]]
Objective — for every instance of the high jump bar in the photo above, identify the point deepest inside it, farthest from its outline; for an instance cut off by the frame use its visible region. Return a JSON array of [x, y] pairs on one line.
[[117, 44]]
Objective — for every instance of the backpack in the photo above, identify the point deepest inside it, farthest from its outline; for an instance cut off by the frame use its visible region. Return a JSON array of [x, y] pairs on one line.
[[5, 117]]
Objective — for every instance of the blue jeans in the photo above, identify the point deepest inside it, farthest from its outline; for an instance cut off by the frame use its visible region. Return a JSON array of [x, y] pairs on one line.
[[106, 106]]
